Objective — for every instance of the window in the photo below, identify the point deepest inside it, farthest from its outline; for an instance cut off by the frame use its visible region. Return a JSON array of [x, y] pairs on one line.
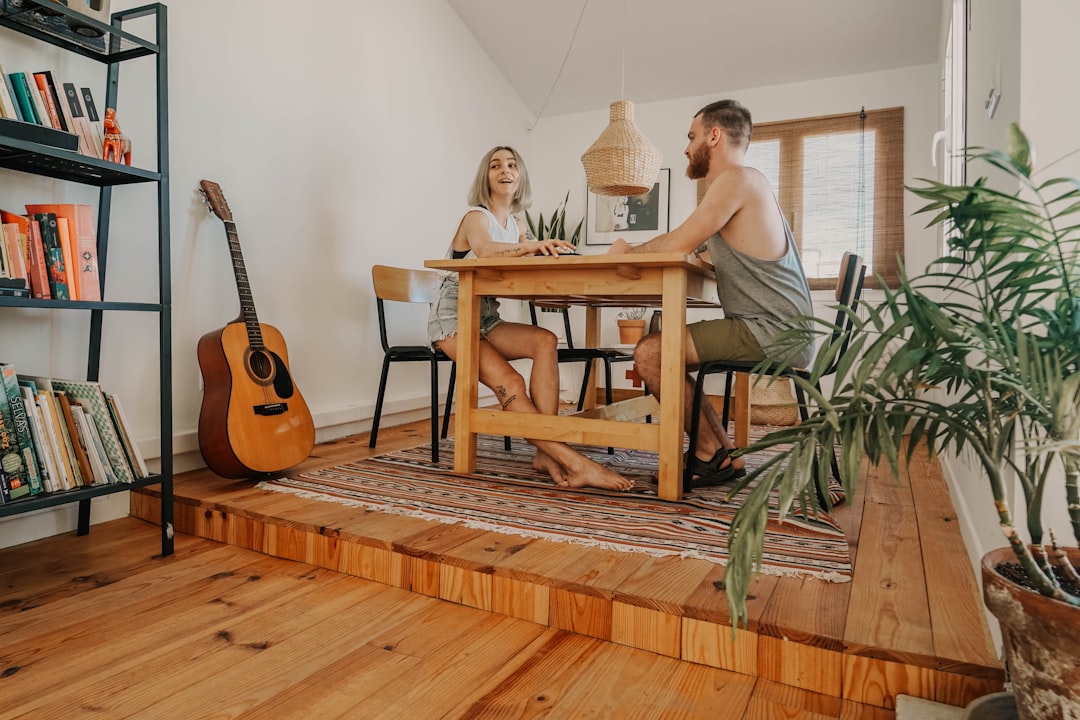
[[839, 180]]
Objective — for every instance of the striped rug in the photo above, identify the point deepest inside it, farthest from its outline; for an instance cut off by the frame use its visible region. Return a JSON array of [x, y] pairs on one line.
[[506, 495]]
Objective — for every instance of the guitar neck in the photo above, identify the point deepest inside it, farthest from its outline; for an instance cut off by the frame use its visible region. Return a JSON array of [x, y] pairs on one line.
[[243, 287]]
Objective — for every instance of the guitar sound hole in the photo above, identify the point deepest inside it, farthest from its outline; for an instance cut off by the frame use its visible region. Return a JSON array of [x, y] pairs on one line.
[[262, 367]]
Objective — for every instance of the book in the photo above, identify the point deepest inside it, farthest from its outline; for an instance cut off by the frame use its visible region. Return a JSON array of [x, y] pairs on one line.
[[22, 427], [69, 259], [83, 473], [135, 457], [49, 101], [37, 267], [38, 101], [14, 292], [14, 245], [78, 119], [94, 118], [7, 97], [49, 411], [42, 442], [89, 394], [95, 452], [22, 97], [67, 445], [6, 261], [56, 430], [54, 255], [11, 458], [57, 94], [83, 234]]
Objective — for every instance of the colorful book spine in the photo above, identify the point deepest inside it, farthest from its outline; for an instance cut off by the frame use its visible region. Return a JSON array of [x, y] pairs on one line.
[[54, 256], [37, 267], [22, 97], [22, 427], [11, 457], [7, 97], [41, 437]]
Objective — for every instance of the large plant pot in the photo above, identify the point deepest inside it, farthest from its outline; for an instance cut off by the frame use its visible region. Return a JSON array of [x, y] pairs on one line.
[[1041, 646]]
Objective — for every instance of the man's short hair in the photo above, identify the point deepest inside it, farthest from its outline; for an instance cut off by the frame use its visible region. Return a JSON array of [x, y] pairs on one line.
[[732, 117]]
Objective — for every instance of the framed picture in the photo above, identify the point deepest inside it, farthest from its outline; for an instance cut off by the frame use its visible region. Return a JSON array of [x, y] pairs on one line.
[[634, 218]]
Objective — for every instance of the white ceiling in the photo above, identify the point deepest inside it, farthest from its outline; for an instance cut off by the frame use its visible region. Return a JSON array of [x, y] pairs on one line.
[[687, 48]]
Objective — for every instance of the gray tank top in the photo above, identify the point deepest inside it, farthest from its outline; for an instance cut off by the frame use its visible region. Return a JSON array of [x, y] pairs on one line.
[[765, 294]]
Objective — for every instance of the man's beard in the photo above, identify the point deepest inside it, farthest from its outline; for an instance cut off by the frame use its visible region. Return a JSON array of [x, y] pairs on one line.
[[698, 166]]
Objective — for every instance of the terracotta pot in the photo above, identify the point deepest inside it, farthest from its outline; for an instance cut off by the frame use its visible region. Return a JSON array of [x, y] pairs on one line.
[[1041, 646], [630, 331]]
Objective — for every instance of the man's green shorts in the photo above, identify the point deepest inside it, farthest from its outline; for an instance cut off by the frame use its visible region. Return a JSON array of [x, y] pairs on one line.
[[724, 339]]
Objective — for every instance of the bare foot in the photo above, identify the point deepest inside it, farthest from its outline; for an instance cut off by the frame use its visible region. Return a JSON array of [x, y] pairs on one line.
[[546, 464], [591, 474]]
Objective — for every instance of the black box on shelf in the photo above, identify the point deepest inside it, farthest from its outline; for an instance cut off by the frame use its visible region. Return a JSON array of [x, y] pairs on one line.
[[32, 132]]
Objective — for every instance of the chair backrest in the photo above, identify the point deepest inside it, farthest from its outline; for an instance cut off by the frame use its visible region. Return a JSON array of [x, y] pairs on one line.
[[396, 284], [849, 287], [565, 318]]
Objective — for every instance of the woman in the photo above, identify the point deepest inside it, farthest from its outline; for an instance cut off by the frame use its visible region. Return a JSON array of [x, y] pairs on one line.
[[492, 228]]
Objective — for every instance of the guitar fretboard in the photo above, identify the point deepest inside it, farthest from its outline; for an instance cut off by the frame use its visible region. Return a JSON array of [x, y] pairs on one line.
[[243, 288]]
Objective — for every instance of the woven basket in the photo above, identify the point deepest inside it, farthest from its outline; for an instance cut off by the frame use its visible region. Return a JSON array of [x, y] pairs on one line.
[[622, 161], [773, 404]]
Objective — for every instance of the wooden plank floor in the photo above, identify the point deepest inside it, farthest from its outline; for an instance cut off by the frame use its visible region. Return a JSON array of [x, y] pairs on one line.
[[812, 649], [98, 626]]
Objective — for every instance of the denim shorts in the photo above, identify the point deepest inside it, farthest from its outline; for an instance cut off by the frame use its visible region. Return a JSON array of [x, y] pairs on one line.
[[442, 320]]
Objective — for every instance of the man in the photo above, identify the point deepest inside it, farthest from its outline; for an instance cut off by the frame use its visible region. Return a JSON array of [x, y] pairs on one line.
[[759, 276]]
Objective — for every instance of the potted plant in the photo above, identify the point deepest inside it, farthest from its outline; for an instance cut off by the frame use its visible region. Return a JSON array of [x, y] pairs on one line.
[[555, 227], [631, 325], [979, 354]]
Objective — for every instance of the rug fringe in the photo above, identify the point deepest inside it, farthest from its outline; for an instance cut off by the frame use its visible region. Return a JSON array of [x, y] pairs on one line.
[[827, 576]]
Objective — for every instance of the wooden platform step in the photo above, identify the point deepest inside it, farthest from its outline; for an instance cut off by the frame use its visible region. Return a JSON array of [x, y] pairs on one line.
[[910, 622]]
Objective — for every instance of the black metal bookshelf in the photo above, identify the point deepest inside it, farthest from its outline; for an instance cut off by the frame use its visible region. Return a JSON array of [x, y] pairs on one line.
[[49, 23]]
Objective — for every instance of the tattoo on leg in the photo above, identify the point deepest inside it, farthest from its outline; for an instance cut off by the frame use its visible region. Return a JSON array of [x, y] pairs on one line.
[[505, 402]]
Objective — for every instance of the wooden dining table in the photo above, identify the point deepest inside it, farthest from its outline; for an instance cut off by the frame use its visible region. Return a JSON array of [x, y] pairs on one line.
[[670, 281]]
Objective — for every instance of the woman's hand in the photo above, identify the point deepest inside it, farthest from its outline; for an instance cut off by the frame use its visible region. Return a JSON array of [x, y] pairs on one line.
[[551, 247]]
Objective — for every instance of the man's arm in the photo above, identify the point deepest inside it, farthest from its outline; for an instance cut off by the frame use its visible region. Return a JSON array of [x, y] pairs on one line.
[[722, 200]]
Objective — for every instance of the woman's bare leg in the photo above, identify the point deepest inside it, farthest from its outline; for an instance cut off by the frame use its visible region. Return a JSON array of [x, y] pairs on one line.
[[567, 467]]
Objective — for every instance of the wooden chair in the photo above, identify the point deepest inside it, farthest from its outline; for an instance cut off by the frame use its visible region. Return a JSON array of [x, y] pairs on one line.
[[849, 287], [394, 284]]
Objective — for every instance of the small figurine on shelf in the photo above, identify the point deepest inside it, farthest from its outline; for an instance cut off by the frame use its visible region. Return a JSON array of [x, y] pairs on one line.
[[117, 145]]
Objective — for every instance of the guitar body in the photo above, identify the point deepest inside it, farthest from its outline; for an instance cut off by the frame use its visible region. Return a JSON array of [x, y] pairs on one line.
[[253, 418]]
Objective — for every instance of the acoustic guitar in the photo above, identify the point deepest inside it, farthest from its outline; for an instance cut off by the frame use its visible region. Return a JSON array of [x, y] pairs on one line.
[[253, 418]]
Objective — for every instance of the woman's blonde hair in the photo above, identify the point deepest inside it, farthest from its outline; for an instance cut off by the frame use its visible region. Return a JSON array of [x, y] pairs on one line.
[[480, 194]]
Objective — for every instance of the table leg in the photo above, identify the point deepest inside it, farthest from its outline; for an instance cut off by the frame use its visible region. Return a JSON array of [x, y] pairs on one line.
[[672, 379], [468, 373], [742, 409], [592, 340]]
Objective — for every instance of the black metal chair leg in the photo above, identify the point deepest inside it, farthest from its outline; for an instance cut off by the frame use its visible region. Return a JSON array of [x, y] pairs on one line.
[[434, 411], [449, 400], [379, 402]]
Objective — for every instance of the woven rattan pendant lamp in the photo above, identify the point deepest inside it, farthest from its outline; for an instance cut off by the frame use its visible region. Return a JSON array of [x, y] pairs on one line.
[[622, 161]]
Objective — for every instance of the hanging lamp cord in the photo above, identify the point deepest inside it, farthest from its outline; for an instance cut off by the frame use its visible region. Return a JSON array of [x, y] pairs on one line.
[[563, 66]]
